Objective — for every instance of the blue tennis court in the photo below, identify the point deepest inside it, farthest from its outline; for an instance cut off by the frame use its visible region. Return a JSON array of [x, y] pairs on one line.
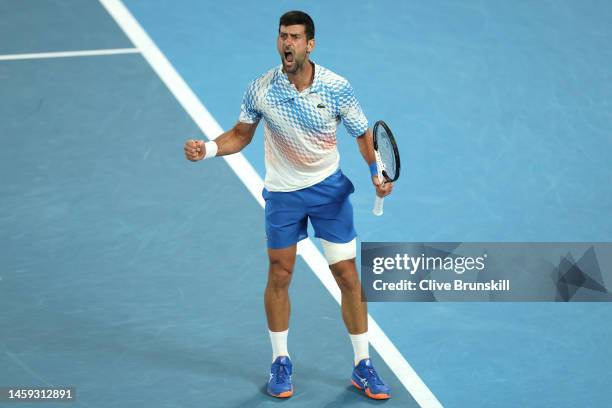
[[137, 277]]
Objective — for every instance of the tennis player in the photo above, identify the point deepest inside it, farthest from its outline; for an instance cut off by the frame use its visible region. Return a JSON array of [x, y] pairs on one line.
[[302, 104]]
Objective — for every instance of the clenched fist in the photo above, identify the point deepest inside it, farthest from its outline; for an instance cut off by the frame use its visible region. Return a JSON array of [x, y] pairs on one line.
[[194, 150], [382, 189]]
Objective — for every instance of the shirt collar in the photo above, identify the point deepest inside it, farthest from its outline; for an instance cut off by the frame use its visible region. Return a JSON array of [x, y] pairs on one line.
[[317, 82]]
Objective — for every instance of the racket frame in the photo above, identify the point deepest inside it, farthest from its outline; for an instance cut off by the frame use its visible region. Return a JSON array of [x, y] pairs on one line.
[[395, 151]]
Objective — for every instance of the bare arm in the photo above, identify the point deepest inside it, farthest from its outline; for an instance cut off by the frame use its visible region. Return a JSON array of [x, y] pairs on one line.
[[366, 148], [232, 141]]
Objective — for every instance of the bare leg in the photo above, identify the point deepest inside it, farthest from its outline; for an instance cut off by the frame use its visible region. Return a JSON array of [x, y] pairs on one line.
[[354, 311], [276, 296]]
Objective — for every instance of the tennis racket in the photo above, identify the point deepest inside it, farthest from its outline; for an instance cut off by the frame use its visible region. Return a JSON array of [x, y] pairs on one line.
[[387, 160]]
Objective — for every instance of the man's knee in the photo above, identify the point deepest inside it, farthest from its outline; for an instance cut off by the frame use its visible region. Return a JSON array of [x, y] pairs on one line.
[[279, 274], [345, 274], [281, 268]]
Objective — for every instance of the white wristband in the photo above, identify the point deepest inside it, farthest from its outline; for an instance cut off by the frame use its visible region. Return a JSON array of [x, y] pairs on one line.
[[211, 149]]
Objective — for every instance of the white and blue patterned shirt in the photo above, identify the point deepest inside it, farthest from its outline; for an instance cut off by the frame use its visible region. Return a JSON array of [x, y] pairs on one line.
[[300, 127]]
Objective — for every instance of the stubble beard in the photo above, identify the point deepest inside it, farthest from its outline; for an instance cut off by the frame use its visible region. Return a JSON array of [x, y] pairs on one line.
[[297, 65]]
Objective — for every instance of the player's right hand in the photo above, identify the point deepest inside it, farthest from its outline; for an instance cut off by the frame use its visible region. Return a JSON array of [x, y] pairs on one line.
[[194, 150], [382, 189]]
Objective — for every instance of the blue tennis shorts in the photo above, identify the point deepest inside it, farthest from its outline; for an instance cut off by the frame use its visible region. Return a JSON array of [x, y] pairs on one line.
[[326, 204]]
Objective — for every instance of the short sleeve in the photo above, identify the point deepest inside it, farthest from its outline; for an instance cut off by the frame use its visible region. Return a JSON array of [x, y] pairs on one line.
[[248, 110], [351, 114]]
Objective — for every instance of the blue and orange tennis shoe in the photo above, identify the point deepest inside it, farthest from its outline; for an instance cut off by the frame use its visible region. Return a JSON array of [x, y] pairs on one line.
[[367, 379], [279, 384]]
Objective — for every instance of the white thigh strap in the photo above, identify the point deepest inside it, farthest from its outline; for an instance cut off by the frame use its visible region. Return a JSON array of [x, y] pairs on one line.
[[335, 253]]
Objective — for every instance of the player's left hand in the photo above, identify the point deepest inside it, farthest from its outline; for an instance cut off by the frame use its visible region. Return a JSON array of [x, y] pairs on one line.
[[382, 189]]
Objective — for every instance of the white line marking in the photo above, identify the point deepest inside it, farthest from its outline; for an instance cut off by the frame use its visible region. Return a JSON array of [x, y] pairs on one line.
[[247, 174], [66, 54], [27, 368]]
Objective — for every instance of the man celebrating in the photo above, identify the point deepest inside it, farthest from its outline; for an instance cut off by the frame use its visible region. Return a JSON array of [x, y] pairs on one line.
[[302, 104]]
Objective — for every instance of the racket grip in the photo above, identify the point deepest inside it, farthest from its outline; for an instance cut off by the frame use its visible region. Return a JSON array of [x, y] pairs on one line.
[[378, 206]]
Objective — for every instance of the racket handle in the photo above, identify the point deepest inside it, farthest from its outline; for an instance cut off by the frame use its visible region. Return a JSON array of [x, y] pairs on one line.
[[378, 206]]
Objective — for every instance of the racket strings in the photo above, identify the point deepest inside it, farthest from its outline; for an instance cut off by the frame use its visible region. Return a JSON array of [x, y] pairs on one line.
[[387, 155]]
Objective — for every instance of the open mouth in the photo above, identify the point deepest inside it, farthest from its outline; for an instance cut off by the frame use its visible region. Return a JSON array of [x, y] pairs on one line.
[[288, 56]]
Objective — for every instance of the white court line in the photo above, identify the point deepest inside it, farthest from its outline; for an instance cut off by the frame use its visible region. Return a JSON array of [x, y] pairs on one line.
[[247, 174], [66, 54]]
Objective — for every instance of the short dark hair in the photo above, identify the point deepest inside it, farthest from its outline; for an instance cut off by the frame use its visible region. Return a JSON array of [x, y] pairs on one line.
[[298, 17]]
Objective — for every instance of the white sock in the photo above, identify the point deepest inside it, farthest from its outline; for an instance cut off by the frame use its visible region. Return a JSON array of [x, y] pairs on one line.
[[360, 346], [279, 343]]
